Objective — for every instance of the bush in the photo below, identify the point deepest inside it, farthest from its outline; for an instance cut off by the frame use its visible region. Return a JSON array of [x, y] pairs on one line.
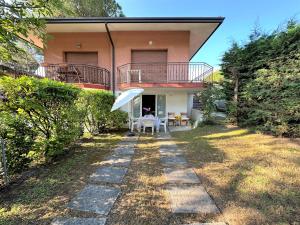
[[95, 109], [19, 141], [208, 97], [47, 106]]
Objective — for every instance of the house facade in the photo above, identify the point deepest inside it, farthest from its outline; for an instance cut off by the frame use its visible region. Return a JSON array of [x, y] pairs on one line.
[[118, 54]]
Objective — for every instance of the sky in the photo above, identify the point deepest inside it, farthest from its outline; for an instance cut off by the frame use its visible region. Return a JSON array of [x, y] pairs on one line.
[[241, 16]]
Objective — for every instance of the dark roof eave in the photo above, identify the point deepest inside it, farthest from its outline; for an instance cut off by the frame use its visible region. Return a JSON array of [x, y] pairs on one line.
[[135, 20]]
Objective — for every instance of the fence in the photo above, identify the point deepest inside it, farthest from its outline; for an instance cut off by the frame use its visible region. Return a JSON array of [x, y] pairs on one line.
[[3, 162]]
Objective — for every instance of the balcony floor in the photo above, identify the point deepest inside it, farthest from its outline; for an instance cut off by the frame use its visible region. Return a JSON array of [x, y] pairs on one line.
[[91, 86], [183, 85]]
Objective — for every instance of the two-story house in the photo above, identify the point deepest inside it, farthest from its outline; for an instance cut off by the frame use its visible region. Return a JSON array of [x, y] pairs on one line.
[[121, 53]]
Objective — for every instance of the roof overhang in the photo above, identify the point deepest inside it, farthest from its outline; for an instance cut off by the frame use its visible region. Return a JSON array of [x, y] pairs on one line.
[[200, 28]]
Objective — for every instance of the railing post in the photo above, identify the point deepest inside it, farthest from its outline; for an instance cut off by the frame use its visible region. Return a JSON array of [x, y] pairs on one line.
[[3, 162], [128, 77], [140, 78]]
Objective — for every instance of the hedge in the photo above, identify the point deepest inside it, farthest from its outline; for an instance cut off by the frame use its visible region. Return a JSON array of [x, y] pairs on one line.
[[267, 70], [95, 109], [42, 117]]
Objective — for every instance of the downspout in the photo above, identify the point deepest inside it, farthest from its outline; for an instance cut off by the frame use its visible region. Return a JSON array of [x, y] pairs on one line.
[[113, 59]]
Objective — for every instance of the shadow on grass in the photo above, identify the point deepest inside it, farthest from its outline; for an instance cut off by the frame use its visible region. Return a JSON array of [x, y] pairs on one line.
[[44, 196], [252, 177]]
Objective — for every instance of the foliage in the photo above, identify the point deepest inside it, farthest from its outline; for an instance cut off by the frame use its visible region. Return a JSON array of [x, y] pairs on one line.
[[19, 141], [216, 77], [18, 19], [208, 96], [90, 8], [95, 109], [47, 106], [42, 117], [268, 72]]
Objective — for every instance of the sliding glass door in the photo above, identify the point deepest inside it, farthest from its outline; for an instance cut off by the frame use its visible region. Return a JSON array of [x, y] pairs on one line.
[[161, 106]]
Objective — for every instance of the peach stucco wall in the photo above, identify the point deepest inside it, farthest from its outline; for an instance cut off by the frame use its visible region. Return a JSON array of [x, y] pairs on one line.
[[175, 42], [66, 42]]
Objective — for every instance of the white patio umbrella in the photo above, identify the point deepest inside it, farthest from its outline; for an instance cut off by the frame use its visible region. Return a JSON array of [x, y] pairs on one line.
[[126, 97]]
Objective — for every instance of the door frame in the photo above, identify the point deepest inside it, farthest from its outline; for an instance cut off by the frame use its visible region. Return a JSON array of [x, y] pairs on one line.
[[141, 103]]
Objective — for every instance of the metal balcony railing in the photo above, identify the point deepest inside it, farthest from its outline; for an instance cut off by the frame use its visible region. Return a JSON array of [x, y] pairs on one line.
[[69, 73], [181, 72]]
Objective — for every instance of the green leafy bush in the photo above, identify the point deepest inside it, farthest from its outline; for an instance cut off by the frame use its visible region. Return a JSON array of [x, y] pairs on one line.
[[45, 105], [95, 109], [19, 141], [208, 96], [267, 71]]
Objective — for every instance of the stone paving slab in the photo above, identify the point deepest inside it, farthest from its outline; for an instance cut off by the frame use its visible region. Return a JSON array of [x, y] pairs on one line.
[[117, 160], [173, 160], [121, 150], [183, 175], [191, 199], [79, 221], [170, 152], [95, 198], [109, 174], [216, 223]]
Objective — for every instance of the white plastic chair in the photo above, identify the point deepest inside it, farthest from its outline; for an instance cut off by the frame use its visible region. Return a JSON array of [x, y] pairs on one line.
[[164, 123], [134, 122], [148, 123]]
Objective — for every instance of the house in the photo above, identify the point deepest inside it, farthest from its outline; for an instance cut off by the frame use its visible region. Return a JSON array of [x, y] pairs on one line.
[[118, 54]]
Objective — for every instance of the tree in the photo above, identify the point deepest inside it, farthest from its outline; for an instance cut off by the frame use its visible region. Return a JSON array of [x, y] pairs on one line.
[[90, 8], [261, 81], [17, 19]]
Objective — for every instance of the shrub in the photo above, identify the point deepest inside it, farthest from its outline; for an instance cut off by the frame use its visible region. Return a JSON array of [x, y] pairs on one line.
[[19, 141], [95, 109], [45, 105], [208, 97]]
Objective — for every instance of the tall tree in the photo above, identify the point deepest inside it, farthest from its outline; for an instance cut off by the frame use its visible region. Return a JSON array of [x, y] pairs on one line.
[[90, 8]]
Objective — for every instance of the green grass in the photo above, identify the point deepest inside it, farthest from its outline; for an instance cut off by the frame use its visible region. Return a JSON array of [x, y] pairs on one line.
[[254, 178], [44, 196]]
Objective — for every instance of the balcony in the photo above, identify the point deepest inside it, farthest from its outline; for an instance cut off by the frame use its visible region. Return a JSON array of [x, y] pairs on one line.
[[82, 75], [172, 75], [85, 76]]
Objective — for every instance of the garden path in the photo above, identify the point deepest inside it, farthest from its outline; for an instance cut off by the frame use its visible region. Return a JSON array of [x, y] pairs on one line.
[[183, 186], [99, 195]]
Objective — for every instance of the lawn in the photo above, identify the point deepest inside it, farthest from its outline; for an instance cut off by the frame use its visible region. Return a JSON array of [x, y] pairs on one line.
[[44, 196], [254, 178]]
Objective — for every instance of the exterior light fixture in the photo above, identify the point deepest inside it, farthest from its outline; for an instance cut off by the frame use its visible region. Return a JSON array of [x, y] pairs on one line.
[[78, 45], [150, 42]]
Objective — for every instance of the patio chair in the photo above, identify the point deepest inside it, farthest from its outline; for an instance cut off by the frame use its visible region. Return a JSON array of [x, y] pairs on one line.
[[171, 118], [134, 122], [148, 123], [184, 118], [163, 122]]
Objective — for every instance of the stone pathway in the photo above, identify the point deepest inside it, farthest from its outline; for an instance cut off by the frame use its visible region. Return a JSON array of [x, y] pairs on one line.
[[184, 188], [100, 194]]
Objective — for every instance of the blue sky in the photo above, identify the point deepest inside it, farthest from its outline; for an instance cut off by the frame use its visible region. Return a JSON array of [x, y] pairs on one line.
[[241, 17]]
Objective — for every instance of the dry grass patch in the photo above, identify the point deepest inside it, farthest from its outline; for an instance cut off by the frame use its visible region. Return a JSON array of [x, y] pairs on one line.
[[143, 200], [44, 196], [254, 178]]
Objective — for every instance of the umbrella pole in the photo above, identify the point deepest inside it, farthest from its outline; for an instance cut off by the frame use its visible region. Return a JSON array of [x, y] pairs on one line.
[[130, 133]]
